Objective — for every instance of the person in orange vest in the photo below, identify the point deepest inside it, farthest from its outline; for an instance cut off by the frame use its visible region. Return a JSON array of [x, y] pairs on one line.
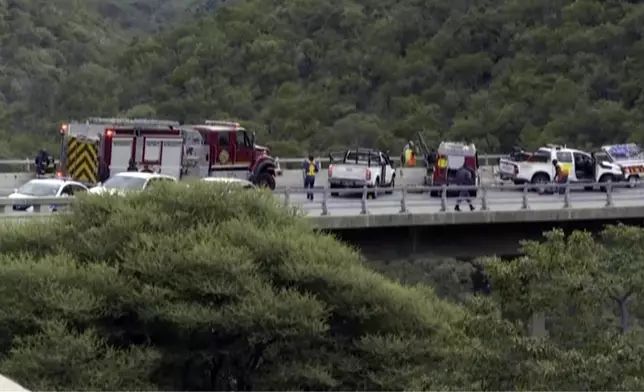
[[409, 155], [311, 169], [561, 176]]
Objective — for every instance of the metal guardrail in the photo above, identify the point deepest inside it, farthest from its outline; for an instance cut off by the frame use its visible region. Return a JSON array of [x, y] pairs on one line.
[[289, 163], [28, 165], [485, 201]]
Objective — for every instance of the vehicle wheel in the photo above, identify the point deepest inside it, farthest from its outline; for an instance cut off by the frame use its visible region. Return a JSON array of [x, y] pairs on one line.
[[265, 180], [541, 180], [392, 185], [633, 181], [374, 194], [603, 179]]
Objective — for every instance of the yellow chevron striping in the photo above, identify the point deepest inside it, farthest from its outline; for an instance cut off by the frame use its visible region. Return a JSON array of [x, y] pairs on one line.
[[82, 161]]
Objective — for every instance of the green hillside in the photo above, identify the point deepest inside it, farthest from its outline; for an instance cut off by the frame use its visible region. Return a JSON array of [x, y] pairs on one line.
[[58, 62], [313, 75], [325, 74]]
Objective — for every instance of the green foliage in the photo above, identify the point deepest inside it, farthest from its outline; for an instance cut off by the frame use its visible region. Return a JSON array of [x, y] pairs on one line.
[[314, 76], [588, 291], [209, 289]]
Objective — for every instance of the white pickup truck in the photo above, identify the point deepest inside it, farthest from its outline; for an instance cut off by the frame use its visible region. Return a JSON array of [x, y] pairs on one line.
[[360, 168], [582, 167]]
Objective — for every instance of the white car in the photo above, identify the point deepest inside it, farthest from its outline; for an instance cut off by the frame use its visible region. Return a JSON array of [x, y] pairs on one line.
[[230, 181], [49, 187], [582, 167], [130, 181]]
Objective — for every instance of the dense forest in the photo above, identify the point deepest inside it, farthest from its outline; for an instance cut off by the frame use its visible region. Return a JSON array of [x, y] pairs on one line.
[[312, 76]]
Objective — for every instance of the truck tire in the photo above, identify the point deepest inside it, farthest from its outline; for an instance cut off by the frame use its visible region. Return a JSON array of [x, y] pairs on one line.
[[374, 193], [634, 181], [265, 180], [541, 180], [603, 179], [392, 185]]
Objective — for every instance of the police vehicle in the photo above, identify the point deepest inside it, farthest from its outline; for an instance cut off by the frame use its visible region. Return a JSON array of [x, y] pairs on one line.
[[629, 157]]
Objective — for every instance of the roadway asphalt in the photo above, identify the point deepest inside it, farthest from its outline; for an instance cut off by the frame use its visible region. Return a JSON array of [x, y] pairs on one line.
[[507, 200]]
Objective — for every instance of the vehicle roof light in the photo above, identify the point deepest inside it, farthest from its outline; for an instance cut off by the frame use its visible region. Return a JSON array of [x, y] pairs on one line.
[[224, 123], [130, 121]]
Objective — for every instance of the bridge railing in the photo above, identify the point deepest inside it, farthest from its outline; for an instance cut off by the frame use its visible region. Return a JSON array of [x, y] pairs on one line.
[[402, 200], [296, 163], [28, 165]]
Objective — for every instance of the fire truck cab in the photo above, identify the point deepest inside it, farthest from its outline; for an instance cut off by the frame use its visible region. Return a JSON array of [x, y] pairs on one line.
[[229, 150], [451, 157]]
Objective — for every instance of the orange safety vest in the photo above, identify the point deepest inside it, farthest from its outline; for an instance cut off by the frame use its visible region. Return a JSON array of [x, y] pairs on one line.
[[410, 157]]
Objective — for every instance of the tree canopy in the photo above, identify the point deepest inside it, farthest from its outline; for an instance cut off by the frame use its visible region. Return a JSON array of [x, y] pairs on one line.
[[211, 288], [312, 76]]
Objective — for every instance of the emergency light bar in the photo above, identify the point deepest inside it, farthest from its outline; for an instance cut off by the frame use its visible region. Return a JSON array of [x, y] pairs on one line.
[[224, 123], [131, 121], [456, 148]]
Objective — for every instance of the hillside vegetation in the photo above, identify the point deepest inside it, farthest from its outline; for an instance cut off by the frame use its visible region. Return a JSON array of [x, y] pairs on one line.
[[313, 75]]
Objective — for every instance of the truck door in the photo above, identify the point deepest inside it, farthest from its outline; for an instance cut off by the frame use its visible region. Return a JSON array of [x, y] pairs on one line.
[[119, 151], [244, 152], [164, 152], [224, 154], [566, 161]]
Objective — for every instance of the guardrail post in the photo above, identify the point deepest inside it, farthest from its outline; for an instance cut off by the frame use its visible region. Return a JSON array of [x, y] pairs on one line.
[[484, 198], [325, 198], [443, 198], [566, 195], [403, 201], [524, 201], [36, 207], [609, 194], [363, 201], [287, 197]]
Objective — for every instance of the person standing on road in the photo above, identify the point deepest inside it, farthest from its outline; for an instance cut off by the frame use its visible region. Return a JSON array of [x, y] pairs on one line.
[[561, 176], [463, 178], [311, 169]]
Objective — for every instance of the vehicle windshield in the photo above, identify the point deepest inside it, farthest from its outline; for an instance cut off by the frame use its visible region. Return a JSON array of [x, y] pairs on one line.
[[125, 182], [39, 188], [621, 152]]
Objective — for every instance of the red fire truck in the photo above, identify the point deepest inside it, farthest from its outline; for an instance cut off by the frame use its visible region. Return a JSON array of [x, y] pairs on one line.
[[215, 148]]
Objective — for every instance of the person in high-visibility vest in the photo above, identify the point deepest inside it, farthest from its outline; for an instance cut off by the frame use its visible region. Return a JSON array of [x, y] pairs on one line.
[[561, 176], [409, 155], [311, 169]]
